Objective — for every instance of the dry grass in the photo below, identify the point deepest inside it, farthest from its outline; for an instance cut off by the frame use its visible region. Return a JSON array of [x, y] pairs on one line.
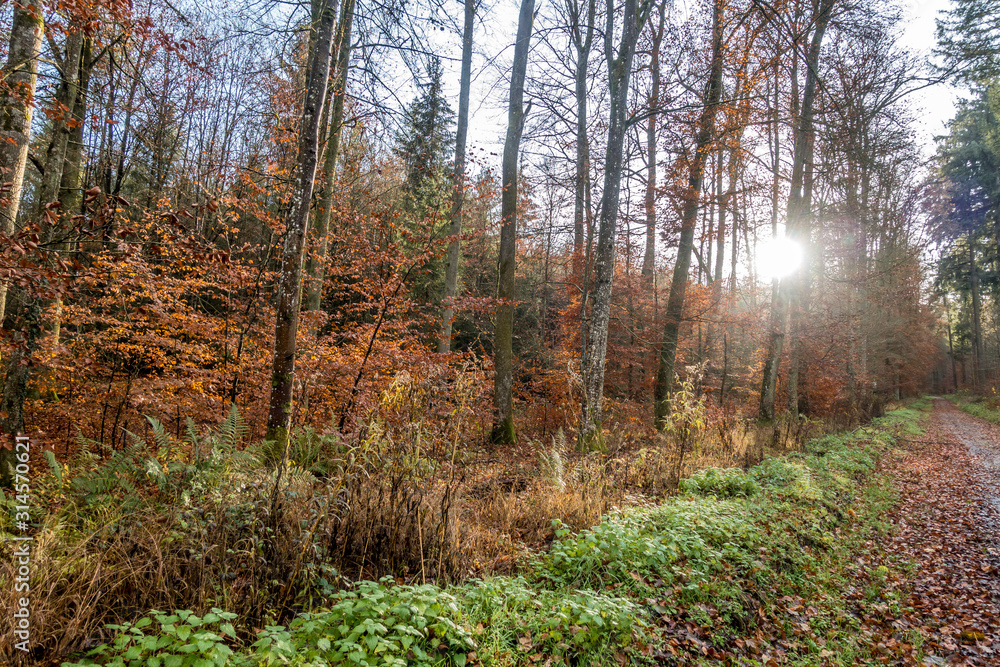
[[384, 507]]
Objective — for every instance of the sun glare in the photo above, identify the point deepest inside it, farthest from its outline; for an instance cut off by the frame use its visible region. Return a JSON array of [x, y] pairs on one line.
[[778, 257]]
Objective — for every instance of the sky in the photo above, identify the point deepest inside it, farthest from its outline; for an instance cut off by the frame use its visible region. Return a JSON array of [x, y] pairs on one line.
[[935, 105]]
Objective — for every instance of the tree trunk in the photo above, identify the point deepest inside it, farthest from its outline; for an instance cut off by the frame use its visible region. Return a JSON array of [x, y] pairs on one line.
[[503, 427], [290, 282], [689, 215], [71, 178], [16, 379], [619, 73], [977, 328], [582, 40], [458, 197], [797, 212], [951, 346], [16, 106], [649, 257], [316, 265], [71, 185], [66, 96]]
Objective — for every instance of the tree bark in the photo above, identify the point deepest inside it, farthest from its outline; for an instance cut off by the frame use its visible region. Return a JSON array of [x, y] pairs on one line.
[[649, 257], [458, 197], [619, 74], [16, 107], [66, 97], [16, 379], [689, 216], [290, 282], [977, 328], [582, 40], [316, 265], [503, 427]]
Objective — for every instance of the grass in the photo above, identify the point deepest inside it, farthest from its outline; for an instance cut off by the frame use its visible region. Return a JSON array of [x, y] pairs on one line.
[[734, 556], [985, 407]]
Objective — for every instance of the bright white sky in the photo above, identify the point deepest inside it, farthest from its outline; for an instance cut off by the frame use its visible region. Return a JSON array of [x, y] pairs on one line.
[[935, 105]]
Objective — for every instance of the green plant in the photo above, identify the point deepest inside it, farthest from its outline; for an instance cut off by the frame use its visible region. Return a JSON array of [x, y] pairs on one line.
[[721, 483], [377, 624], [511, 616], [181, 639], [646, 543]]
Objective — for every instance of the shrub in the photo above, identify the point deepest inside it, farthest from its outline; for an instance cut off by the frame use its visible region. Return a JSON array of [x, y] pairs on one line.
[[780, 473], [513, 616], [721, 483], [180, 639], [374, 625], [648, 542]]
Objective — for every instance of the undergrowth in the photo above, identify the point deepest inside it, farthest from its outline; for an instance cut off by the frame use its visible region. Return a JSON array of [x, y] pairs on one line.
[[696, 578], [985, 407]]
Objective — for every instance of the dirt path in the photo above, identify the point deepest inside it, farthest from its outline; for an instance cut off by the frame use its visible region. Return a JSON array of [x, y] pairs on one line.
[[949, 526]]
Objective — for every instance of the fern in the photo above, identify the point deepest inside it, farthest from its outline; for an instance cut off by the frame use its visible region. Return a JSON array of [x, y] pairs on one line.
[[54, 466], [233, 430], [160, 436]]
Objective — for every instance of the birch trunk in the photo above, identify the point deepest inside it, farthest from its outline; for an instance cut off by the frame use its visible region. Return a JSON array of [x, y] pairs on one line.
[[16, 107]]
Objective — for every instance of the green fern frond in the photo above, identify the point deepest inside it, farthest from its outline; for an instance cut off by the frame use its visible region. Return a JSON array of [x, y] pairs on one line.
[[160, 436], [54, 466]]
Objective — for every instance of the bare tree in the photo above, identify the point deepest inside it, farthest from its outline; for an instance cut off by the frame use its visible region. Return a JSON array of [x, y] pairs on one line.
[[503, 427], [458, 197], [619, 74], [689, 216], [649, 257], [316, 264], [798, 209]]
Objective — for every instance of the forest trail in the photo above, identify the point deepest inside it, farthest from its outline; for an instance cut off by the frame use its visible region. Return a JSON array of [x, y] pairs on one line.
[[948, 526]]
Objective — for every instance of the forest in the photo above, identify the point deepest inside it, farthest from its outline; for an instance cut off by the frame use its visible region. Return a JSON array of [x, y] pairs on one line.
[[506, 333]]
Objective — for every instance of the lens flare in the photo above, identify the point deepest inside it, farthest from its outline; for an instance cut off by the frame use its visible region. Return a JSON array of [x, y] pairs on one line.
[[778, 257]]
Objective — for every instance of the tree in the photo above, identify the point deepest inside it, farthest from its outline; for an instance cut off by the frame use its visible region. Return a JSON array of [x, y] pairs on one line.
[[968, 38], [689, 216], [290, 283], [799, 204], [649, 257], [425, 145], [16, 107], [969, 206], [503, 341], [458, 195], [316, 264], [619, 62]]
